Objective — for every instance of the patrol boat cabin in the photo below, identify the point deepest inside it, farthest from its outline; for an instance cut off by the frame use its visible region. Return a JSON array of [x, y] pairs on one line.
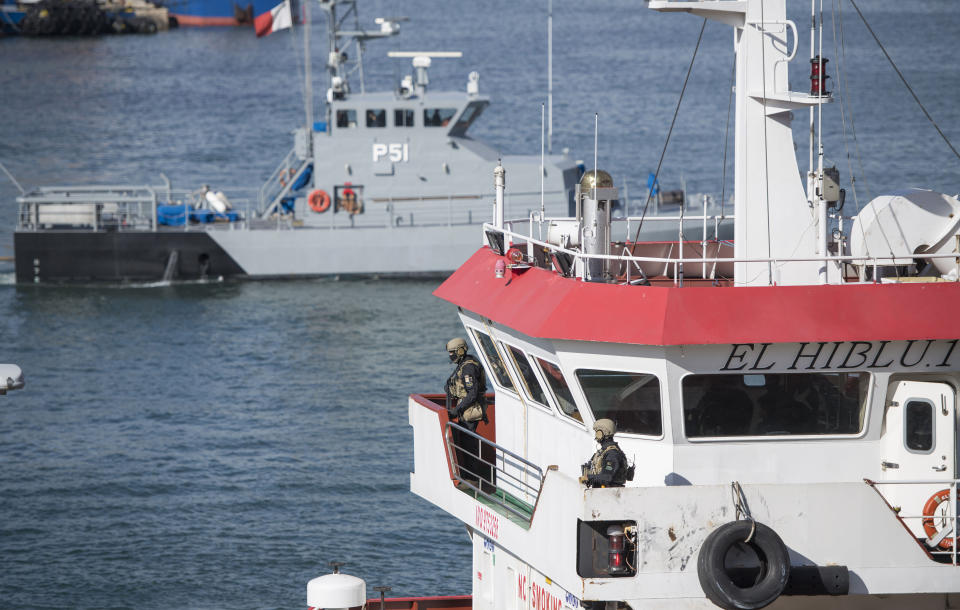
[[792, 419]]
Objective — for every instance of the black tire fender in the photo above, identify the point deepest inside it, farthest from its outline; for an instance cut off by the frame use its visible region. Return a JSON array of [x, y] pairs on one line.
[[718, 584]]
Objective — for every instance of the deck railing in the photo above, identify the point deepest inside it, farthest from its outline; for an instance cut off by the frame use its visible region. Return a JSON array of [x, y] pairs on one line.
[[134, 208], [495, 473], [673, 265], [941, 527], [122, 208]]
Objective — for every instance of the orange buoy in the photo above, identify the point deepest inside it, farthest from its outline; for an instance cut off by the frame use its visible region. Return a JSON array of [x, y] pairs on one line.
[[929, 515], [319, 201]]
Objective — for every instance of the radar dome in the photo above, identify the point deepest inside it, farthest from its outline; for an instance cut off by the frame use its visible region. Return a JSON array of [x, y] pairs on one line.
[[595, 178], [336, 591]]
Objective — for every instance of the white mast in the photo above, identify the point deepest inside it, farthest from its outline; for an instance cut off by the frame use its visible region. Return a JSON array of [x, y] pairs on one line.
[[821, 202], [550, 76], [773, 217], [308, 78]]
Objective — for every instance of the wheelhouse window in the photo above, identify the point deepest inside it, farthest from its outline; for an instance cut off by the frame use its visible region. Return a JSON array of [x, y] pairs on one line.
[[438, 117], [376, 118], [470, 114], [533, 389], [403, 117], [918, 428], [346, 119], [798, 404], [631, 400], [493, 360], [560, 388]]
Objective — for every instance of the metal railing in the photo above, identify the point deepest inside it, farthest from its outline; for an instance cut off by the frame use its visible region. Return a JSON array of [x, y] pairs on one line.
[[505, 479], [112, 207], [580, 259], [940, 525]]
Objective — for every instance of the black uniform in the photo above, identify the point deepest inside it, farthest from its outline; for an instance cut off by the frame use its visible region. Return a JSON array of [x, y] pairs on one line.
[[608, 466]]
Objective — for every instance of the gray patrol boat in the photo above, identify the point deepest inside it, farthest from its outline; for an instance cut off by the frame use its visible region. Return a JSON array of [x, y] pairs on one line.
[[387, 183]]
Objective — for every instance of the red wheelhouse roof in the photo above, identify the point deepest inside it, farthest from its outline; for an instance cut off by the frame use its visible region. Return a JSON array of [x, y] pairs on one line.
[[541, 303]]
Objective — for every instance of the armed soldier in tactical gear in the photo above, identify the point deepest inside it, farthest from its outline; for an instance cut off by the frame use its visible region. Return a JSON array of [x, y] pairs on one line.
[[608, 467], [467, 403], [466, 388]]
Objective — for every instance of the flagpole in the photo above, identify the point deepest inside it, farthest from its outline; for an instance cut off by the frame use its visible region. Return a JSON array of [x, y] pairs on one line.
[[308, 81]]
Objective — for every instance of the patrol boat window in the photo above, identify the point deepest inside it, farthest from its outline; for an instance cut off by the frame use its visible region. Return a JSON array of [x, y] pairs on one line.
[[377, 118], [560, 388], [798, 404], [438, 117], [493, 360], [403, 117], [531, 385], [466, 119], [631, 400], [346, 118], [919, 431]]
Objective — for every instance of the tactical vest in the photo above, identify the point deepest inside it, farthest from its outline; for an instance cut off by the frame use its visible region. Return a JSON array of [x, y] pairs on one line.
[[596, 464], [459, 390]]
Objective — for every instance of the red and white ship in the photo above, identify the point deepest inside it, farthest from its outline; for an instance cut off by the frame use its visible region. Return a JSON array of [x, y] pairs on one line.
[[789, 400]]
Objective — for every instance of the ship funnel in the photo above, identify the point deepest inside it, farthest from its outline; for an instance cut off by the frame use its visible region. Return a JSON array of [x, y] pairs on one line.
[[336, 591], [595, 198]]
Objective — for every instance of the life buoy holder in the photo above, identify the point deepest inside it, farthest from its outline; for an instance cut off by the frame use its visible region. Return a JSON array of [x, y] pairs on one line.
[[719, 585], [319, 201], [930, 517]]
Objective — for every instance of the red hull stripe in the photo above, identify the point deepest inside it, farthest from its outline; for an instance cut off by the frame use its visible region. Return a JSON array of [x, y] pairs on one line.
[[540, 303], [193, 20]]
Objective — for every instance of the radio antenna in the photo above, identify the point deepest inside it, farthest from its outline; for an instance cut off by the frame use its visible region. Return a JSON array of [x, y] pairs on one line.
[[542, 206]]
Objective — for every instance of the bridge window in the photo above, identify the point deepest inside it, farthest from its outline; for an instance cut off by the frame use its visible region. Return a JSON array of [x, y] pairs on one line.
[[631, 400], [799, 404], [346, 119], [470, 114], [438, 117], [494, 362], [561, 390], [403, 117], [918, 431], [527, 376], [376, 117]]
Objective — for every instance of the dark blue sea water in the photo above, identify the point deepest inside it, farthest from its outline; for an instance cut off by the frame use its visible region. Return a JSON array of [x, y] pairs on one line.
[[206, 446]]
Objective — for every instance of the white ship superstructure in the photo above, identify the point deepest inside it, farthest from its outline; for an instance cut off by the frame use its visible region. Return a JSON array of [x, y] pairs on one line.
[[789, 401]]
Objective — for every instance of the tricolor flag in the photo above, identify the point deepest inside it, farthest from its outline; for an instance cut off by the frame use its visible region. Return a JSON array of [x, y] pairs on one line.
[[279, 18]]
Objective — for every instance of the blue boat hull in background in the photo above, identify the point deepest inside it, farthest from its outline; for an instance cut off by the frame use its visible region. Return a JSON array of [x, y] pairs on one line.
[[217, 12]]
